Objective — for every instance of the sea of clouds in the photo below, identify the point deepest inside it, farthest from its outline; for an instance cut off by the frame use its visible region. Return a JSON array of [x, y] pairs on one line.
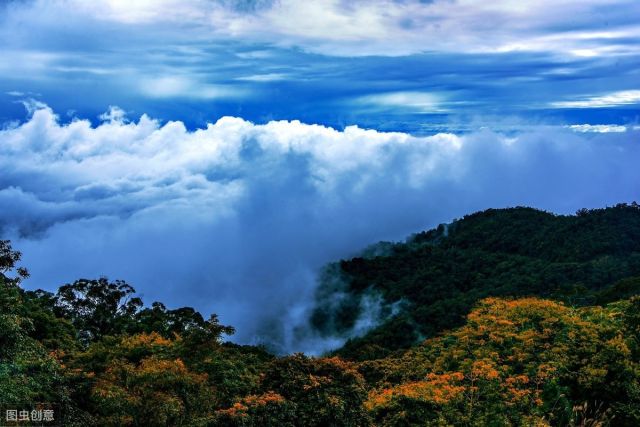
[[238, 218]]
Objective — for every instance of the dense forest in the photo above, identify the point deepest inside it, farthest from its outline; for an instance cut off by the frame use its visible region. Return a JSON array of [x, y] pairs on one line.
[[437, 276], [504, 317]]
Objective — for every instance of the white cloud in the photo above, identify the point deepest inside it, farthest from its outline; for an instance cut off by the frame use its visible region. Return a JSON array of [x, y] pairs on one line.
[[114, 114], [236, 218], [16, 63], [255, 54], [269, 77], [421, 102], [143, 11], [627, 97], [388, 27], [598, 128], [186, 87], [383, 27]]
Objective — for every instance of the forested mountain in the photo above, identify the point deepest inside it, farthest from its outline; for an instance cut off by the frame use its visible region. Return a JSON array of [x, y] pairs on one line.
[[504, 317], [437, 276]]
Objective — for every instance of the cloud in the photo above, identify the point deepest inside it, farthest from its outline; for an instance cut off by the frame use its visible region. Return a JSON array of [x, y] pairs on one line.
[[184, 87], [396, 28], [385, 27], [238, 218], [114, 114], [291, 59], [420, 102], [616, 99], [597, 128], [144, 11], [270, 77]]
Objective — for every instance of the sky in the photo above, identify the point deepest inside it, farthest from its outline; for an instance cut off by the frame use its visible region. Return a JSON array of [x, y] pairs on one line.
[[218, 153]]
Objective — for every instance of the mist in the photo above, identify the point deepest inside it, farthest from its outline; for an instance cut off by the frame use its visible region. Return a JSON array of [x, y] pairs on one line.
[[239, 218]]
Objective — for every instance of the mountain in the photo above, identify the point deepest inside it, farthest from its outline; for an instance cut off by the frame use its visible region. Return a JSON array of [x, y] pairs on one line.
[[509, 317], [429, 283]]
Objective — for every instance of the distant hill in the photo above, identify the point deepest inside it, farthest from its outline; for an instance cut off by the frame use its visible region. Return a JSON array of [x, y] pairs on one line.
[[430, 283]]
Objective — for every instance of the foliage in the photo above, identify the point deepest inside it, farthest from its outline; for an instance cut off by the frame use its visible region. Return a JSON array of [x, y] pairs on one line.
[[97, 308], [438, 275], [28, 372], [298, 390], [8, 260], [269, 410], [515, 361], [530, 319]]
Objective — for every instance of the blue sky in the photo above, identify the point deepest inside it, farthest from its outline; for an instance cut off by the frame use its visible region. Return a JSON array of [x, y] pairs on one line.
[[218, 154], [392, 65]]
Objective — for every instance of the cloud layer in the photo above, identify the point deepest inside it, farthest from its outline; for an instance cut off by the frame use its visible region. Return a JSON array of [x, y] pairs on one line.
[[385, 64], [394, 27], [238, 218]]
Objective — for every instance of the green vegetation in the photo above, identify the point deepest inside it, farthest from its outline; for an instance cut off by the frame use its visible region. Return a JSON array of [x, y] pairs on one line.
[[439, 275], [530, 319]]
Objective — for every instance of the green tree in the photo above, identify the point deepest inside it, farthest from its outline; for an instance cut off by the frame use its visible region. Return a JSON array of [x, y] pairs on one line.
[[27, 372], [97, 307], [314, 392]]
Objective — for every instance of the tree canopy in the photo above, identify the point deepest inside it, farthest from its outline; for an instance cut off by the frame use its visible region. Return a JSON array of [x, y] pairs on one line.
[[438, 275], [525, 318]]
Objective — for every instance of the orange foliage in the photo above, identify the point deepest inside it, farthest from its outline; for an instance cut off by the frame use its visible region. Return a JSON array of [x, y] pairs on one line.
[[437, 388], [505, 356], [152, 339], [242, 408]]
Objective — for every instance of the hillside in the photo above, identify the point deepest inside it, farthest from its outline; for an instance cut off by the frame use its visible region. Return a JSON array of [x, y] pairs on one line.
[[435, 277], [526, 362], [532, 319]]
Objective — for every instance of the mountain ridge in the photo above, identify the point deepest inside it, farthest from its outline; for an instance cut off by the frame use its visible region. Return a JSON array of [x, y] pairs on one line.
[[437, 275]]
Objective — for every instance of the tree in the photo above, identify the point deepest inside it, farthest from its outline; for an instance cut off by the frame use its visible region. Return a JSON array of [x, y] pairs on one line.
[[97, 307], [317, 392], [515, 362], [28, 373], [8, 260], [144, 383]]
